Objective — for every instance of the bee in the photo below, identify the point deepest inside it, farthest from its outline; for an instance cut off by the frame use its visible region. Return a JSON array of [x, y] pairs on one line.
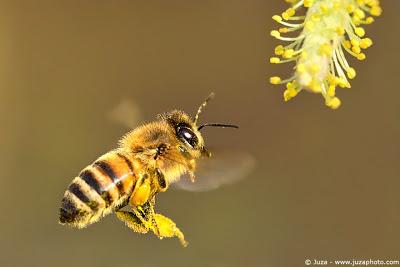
[[148, 160]]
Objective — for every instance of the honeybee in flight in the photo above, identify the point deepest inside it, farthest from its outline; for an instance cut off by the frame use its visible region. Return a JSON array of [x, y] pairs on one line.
[[147, 161]]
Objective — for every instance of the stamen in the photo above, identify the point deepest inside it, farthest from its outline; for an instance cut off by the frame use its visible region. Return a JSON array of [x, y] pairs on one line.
[[277, 35], [328, 28]]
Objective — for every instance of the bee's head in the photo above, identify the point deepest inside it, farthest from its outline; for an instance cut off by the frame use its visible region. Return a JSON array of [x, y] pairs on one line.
[[188, 132]]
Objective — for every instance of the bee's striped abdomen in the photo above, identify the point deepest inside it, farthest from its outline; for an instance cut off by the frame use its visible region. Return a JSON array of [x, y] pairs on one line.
[[97, 190], [79, 192]]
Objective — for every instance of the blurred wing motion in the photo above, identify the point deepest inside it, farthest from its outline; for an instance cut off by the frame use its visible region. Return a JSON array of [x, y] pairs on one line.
[[222, 168], [127, 113]]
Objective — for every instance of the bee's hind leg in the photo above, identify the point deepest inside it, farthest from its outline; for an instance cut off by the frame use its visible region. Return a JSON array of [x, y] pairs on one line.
[[133, 222], [167, 228], [140, 219], [161, 225], [143, 219]]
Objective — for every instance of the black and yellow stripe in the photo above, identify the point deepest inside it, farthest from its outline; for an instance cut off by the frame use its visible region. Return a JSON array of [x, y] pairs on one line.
[[97, 190], [68, 211], [76, 189], [107, 170], [100, 183]]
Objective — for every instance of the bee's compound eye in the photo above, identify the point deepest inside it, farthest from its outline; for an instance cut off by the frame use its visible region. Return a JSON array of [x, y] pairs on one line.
[[187, 135]]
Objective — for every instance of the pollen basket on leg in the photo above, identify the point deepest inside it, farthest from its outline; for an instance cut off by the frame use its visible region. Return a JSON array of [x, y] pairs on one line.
[[327, 29]]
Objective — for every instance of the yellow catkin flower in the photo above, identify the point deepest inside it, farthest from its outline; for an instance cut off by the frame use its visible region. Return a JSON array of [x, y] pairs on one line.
[[328, 30]]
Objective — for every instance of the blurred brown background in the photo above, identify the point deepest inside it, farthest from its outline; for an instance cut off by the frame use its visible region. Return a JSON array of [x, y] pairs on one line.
[[327, 182]]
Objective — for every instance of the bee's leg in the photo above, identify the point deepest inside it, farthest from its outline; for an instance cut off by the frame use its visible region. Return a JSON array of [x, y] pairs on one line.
[[142, 192], [140, 219], [146, 213], [161, 182], [143, 219], [142, 201], [132, 221], [141, 216], [120, 206], [159, 224], [167, 228]]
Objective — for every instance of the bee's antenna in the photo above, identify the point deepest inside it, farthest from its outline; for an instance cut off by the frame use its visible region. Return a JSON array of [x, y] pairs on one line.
[[196, 118], [217, 125]]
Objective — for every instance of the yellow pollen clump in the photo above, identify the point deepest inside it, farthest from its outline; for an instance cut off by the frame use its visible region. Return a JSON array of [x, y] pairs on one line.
[[347, 44], [314, 69], [288, 13], [358, 13], [288, 53], [361, 56], [376, 11], [340, 31], [277, 18], [351, 73], [275, 80], [326, 50], [356, 49], [350, 8], [279, 50], [354, 42], [328, 30], [359, 31], [308, 3], [275, 34], [331, 90], [283, 30], [333, 103], [369, 20], [301, 68], [274, 60], [290, 91], [365, 43], [324, 8], [309, 25]]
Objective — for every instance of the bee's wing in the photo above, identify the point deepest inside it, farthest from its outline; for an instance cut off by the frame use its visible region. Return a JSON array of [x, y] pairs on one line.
[[126, 113], [223, 167]]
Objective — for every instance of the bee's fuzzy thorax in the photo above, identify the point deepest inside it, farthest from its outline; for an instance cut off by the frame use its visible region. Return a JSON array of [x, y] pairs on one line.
[[177, 158]]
